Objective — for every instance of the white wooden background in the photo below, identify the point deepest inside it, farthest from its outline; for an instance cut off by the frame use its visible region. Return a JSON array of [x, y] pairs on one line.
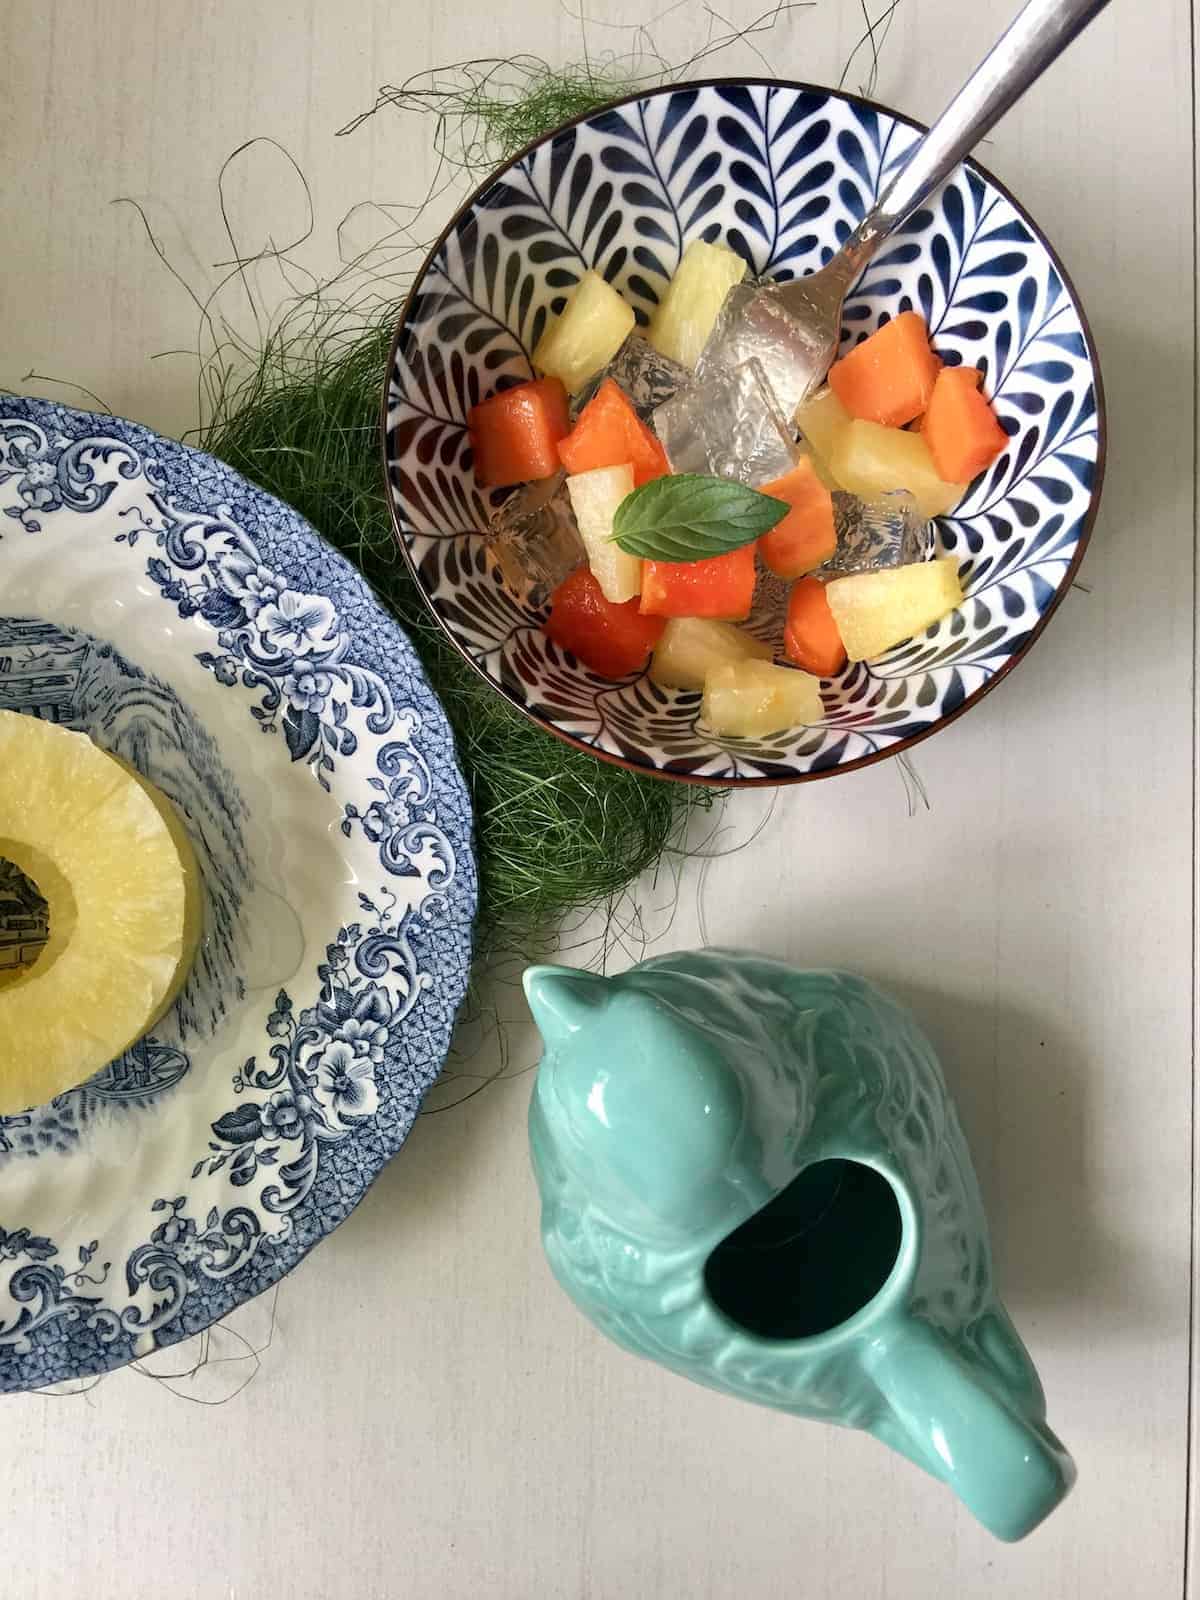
[[432, 1417]]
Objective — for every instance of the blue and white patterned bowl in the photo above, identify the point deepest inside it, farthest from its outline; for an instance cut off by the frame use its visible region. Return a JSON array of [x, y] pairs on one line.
[[781, 172], [199, 628]]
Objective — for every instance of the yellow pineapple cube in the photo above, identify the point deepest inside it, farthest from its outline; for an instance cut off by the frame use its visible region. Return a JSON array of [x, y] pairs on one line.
[[822, 420], [869, 459], [593, 325], [595, 497], [747, 699], [819, 465], [691, 647], [686, 314], [875, 610]]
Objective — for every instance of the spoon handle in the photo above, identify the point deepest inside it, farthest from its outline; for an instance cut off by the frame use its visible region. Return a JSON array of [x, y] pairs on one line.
[[1041, 32]]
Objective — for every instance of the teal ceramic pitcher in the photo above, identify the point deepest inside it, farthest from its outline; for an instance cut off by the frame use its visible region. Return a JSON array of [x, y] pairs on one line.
[[755, 1176]]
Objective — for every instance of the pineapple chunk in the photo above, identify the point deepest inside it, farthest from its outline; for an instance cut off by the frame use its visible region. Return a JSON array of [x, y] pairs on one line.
[[690, 647], [117, 871], [822, 420], [594, 324], [875, 610], [595, 497], [746, 699], [869, 459], [686, 314], [805, 451]]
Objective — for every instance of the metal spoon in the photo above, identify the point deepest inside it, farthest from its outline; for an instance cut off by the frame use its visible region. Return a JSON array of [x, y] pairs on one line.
[[793, 329]]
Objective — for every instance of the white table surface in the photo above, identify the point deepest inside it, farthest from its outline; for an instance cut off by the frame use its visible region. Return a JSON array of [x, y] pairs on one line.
[[432, 1417]]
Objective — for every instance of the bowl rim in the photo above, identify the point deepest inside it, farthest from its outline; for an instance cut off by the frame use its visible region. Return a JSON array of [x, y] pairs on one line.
[[901, 745]]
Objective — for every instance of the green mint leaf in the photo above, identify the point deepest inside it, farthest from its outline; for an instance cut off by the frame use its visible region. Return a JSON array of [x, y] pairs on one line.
[[689, 517]]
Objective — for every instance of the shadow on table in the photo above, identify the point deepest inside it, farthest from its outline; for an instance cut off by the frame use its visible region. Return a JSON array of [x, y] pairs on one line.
[[1022, 1087], [471, 1131]]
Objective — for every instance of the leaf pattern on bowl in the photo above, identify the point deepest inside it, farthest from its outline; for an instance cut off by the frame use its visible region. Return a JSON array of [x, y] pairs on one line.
[[781, 173]]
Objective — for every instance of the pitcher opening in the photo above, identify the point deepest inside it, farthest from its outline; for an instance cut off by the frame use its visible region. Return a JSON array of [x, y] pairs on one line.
[[819, 1252]]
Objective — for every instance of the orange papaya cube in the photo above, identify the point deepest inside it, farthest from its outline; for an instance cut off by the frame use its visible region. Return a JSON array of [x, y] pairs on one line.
[[514, 434], [810, 636], [613, 640], [805, 537], [719, 587], [890, 376], [960, 428], [609, 433]]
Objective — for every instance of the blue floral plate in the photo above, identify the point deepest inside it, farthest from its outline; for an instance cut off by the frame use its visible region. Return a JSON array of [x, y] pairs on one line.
[[781, 173], [200, 629]]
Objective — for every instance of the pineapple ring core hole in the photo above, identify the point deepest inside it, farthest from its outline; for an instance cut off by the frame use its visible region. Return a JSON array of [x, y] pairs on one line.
[[24, 919]]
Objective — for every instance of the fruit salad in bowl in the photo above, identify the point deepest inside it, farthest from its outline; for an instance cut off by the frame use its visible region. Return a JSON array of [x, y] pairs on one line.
[[657, 553]]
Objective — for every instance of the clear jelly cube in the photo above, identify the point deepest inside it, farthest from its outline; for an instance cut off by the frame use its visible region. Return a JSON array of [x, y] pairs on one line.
[[754, 324], [647, 378], [534, 540], [887, 531], [727, 424]]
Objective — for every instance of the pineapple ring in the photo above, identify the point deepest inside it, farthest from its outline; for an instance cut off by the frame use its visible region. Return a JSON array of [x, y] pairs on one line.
[[111, 858]]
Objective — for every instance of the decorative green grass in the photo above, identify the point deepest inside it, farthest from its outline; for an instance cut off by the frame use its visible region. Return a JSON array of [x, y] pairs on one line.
[[557, 831]]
